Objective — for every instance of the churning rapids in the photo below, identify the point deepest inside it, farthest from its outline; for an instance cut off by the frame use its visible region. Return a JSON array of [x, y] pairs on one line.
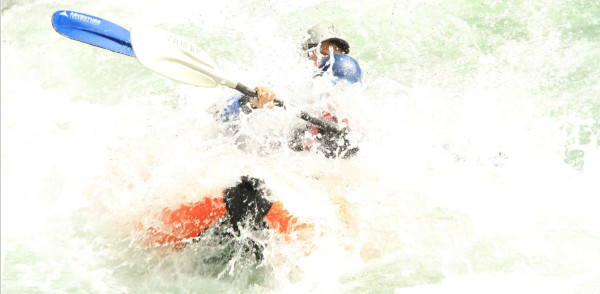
[[478, 168]]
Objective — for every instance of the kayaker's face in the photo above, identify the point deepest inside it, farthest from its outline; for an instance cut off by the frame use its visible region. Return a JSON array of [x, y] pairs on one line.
[[317, 53]]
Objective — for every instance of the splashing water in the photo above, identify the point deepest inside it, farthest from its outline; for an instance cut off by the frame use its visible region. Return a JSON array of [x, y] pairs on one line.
[[478, 126]]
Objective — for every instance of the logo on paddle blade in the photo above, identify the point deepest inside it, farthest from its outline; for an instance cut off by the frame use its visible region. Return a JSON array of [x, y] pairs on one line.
[[183, 44], [85, 18]]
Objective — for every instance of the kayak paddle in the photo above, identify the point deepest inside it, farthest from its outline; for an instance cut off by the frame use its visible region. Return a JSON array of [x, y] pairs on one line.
[[180, 60], [92, 30]]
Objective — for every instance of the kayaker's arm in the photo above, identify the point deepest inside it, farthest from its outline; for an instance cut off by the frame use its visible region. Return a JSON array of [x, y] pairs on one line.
[[246, 104], [331, 142]]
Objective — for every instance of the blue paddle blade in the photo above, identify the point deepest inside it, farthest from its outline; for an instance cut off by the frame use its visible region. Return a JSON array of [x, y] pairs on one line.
[[92, 30]]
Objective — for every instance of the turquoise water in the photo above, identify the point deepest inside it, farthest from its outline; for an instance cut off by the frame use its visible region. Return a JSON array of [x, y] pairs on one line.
[[478, 172]]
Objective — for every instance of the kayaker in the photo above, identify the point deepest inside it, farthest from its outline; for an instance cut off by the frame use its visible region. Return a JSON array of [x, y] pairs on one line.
[[327, 47]]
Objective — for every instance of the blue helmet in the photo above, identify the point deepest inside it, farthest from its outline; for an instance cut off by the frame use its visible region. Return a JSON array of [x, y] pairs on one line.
[[345, 68]]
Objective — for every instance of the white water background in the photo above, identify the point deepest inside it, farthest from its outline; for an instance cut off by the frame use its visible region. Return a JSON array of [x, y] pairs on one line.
[[478, 126]]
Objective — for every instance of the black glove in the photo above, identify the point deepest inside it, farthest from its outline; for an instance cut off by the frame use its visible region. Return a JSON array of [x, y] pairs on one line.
[[335, 144], [332, 144]]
